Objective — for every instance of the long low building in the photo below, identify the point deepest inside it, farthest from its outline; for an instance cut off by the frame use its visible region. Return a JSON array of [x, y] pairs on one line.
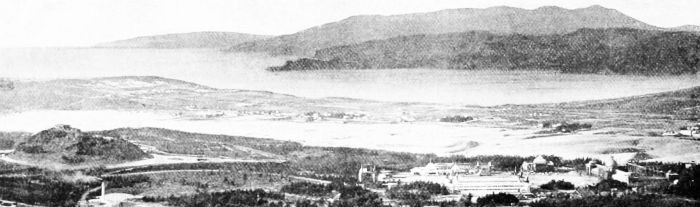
[[463, 178]]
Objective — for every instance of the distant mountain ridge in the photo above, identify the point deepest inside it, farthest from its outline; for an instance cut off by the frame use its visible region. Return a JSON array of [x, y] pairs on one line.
[[499, 20], [618, 50], [185, 40]]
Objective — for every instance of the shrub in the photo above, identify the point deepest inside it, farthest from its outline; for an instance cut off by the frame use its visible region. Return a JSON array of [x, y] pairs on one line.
[[557, 185], [456, 119]]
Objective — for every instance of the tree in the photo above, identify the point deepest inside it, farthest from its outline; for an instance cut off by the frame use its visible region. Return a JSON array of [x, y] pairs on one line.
[[497, 199]]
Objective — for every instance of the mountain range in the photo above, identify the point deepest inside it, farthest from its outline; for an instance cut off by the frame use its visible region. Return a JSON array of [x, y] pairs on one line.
[[502, 20], [185, 40], [498, 20]]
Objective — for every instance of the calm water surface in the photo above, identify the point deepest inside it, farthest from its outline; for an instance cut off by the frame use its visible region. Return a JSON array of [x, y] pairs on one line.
[[246, 71]]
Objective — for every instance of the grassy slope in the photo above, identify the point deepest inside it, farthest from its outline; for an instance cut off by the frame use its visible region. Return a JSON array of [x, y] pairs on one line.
[[324, 160], [683, 102], [136, 93]]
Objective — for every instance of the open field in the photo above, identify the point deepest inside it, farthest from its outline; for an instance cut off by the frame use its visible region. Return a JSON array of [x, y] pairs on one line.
[[481, 137], [619, 126]]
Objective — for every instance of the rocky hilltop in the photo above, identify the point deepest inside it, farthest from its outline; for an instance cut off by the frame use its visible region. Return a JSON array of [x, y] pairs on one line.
[[72, 146]]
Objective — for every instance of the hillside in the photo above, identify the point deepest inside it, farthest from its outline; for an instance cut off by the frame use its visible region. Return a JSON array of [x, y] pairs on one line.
[[132, 93], [185, 40], [620, 51], [72, 146], [178, 142], [500, 20], [683, 103]]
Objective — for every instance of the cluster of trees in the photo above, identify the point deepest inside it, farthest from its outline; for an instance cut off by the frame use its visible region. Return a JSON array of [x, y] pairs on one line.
[[456, 119], [417, 191], [616, 50], [257, 197], [565, 127], [688, 183], [12, 168], [128, 184], [350, 195], [9, 139], [607, 185], [557, 185], [500, 199], [312, 189], [6, 84], [315, 64], [642, 200], [46, 190]]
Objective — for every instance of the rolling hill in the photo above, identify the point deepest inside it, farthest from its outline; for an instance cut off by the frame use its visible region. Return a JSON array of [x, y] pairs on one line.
[[499, 20], [617, 50], [72, 146], [185, 40], [685, 103]]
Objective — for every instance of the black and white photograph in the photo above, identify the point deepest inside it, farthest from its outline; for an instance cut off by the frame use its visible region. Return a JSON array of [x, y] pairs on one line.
[[349, 103]]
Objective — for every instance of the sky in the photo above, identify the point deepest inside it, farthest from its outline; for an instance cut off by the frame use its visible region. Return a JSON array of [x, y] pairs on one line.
[[56, 23]]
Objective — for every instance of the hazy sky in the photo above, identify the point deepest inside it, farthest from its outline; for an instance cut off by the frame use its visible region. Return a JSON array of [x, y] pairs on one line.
[[86, 22]]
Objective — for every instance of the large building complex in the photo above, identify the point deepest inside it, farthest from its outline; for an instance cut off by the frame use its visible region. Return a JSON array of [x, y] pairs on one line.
[[466, 178]]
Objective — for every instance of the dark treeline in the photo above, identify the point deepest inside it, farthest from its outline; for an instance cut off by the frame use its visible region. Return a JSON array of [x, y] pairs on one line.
[[350, 196], [262, 167], [256, 197], [500, 199], [311, 189], [619, 50], [417, 191], [47, 190], [648, 200], [499, 162]]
